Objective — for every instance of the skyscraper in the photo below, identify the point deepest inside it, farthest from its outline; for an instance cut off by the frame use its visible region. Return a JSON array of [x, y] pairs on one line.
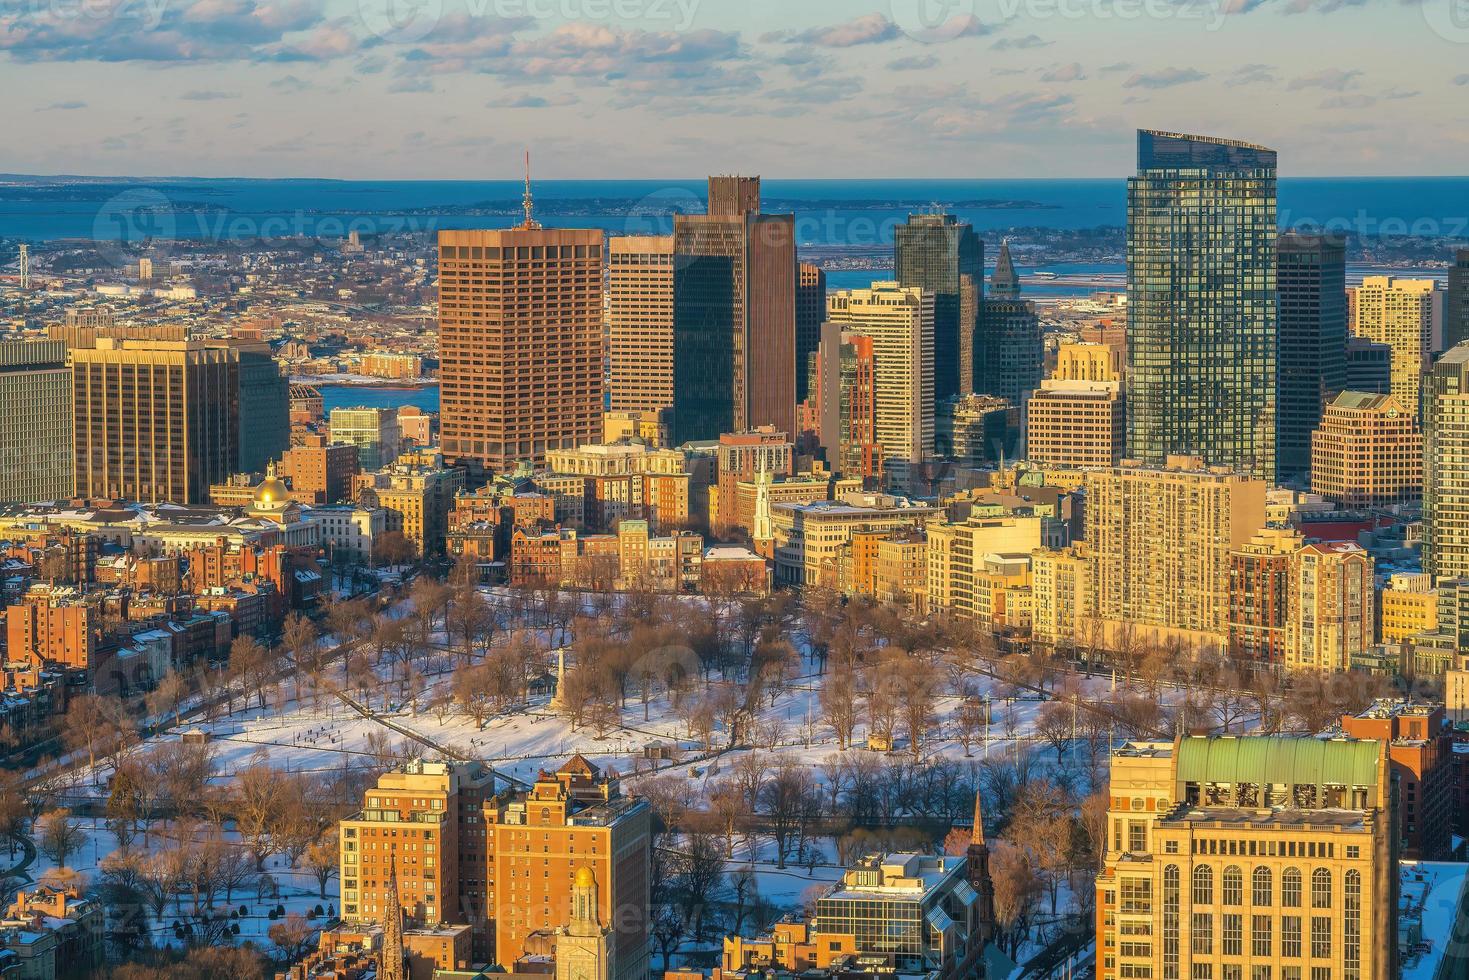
[[265, 407], [810, 314], [944, 257], [1399, 313], [1201, 233], [899, 319], [640, 306], [1311, 286], [1446, 466], [1010, 349], [520, 343], [734, 315], [154, 421], [844, 387], [374, 431], [35, 422], [1456, 306]]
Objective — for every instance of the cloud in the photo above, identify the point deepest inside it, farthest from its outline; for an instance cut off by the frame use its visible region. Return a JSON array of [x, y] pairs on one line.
[[1115, 67], [531, 102], [411, 83], [1251, 75], [913, 63], [290, 83], [1164, 78], [1331, 79], [1395, 94], [1065, 73], [1025, 43], [868, 29], [178, 31], [63, 106], [207, 95], [1348, 102], [1461, 79]]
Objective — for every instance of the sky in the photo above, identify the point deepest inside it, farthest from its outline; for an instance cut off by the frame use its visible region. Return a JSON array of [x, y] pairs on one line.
[[661, 89]]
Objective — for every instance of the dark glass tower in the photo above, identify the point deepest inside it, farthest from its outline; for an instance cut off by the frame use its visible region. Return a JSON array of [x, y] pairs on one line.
[[810, 314], [1201, 234], [734, 315], [1456, 303], [1311, 364], [1010, 348], [946, 258]]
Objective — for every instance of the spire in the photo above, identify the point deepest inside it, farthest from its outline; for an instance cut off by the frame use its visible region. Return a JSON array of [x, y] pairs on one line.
[[1004, 284], [391, 965], [977, 835], [530, 221]]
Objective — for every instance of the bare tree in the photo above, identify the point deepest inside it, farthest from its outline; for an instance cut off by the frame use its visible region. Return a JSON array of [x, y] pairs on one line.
[[58, 835]]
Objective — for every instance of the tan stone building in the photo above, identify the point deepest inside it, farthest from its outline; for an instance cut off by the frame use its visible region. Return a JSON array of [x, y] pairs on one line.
[[1332, 598], [1162, 540], [1076, 424], [420, 495], [423, 821], [1367, 452], [155, 421], [811, 541], [1089, 362], [901, 575], [1399, 313], [573, 820], [1247, 858], [972, 564], [1408, 606], [520, 343], [640, 322], [1063, 599]]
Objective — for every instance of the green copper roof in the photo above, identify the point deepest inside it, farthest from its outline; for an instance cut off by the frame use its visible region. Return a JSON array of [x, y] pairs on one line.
[[1272, 759]]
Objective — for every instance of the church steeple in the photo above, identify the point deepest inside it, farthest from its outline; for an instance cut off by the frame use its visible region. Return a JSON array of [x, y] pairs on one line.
[[1004, 284], [391, 965], [978, 859]]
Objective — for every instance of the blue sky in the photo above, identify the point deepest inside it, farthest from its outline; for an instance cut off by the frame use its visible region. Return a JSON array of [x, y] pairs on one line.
[[679, 88]]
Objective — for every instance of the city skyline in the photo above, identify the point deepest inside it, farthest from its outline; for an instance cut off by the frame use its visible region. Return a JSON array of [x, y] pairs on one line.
[[451, 88]]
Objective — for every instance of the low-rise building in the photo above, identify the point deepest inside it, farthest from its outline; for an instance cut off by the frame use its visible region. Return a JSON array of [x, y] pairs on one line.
[[810, 540]]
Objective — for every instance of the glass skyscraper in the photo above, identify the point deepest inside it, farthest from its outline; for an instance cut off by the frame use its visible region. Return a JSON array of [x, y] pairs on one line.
[[1201, 237], [1311, 278], [946, 258]]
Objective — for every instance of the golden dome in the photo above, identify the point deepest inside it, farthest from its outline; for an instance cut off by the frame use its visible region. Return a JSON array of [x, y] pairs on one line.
[[272, 491], [585, 878]]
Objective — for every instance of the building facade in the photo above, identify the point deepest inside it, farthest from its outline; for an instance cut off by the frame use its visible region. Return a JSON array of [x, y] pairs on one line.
[[1248, 857], [1009, 349], [35, 422], [1259, 595], [374, 431], [899, 320], [1446, 466], [1311, 286], [1201, 299], [1076, 424], [1162, 540], [734, 316], [520, 343], [640, 323], [1367, 452], [1399, 313], [1332, 606], [943, 256], [810, 315], [154, 421], [1456, 303]]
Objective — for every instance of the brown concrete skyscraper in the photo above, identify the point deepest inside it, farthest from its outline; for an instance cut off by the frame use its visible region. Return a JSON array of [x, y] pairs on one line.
[[734, 315], [155, 421], [640, 306], [810, 315], [520, 343]]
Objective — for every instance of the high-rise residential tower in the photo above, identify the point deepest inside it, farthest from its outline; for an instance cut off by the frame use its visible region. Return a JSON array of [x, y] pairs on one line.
[[734, 315], [640, 307], [944, 257], [520, 343], [35, 422], [1201, 234], [154, 421], [1009, 352], [1399, 313], [1456, 304], [810, 314], [1311, 364], [1446, 466], [899, 319]]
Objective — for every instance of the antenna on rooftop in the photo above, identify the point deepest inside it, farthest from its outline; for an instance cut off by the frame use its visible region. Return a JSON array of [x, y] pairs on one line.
[[530, 221]]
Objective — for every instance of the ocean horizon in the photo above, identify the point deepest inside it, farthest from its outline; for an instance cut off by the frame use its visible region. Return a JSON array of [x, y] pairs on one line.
[[846, 213]]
